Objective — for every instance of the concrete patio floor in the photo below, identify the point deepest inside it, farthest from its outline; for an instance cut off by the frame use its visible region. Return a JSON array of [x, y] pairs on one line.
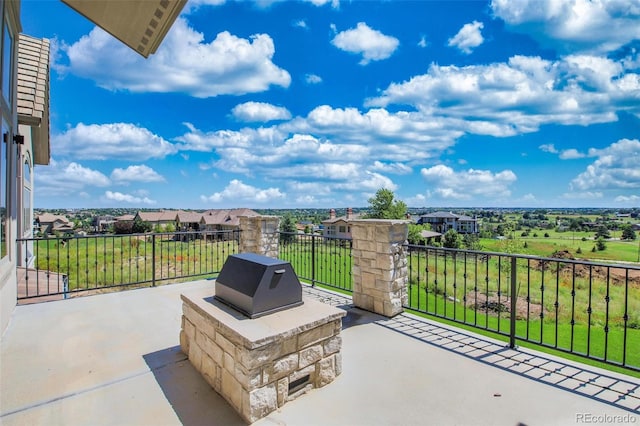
[[114, 359]]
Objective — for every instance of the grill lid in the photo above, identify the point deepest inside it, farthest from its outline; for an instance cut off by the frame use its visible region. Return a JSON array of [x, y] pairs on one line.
[[257, 285]]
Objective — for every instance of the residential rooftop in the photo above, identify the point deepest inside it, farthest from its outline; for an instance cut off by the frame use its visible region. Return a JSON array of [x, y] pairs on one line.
[[115, 359]]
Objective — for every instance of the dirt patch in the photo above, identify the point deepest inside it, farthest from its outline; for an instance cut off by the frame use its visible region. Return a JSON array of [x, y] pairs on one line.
[[597, 273], [495, 305]]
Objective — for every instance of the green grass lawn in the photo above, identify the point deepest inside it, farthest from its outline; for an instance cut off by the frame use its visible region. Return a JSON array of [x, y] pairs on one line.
[[92, 263], [621, 251], [580, 338]]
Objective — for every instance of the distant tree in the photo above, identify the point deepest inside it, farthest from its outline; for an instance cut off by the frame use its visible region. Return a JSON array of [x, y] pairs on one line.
[[471, 242], [451, 239], [288, 230], [140, 226], [579, 251], [383, 206], [307, 229], [546, 235], [169, 227], [628, 233], [123, 227], [602, 232], [600, 244], [486, 233], [415, 236], [574, 226]]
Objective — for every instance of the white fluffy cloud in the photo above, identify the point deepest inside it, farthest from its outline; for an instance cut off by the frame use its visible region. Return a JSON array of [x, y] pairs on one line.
[[140, 173], [468, 38], [616, 167], [312, 79], [119, 197], [627, 199], [395, 168], [365, 41], [470, 184], [396, 136], [62, 178], [571, 154], [565, 154], [183, 63], [260, 111], [548, 148], [237, 191], [589, 25], [504, 99], [111, 141]]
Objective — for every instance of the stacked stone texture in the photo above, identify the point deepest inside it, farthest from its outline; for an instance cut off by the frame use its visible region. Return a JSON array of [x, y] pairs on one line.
[[259, 234], [255, 377], [380, 271]]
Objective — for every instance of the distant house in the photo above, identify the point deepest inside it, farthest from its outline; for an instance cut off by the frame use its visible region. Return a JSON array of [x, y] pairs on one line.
[[188, 221], [125, 218], [161, 218], [430, 235], [48, 223], [338, 227], [444, 221], [224, 219], [103, 223]]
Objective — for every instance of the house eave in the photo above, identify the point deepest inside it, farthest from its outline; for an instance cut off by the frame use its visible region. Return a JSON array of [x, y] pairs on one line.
[[139, 24]]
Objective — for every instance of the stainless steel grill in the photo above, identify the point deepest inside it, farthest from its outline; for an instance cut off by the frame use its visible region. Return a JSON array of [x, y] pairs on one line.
[[258, 285]]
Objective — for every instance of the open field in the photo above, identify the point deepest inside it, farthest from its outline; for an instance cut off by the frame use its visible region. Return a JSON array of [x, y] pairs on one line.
[[616, 250]]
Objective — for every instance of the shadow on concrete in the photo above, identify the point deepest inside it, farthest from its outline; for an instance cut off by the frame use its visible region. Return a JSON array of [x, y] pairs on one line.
[[616, 391], [356, 316], [192, 399]]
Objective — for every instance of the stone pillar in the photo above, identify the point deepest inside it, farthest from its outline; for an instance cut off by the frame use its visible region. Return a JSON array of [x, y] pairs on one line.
[[259, 235], [380, 272]]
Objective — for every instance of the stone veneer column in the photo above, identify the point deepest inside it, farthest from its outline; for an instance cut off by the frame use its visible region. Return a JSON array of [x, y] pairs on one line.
[[379, 265], [259, 235]]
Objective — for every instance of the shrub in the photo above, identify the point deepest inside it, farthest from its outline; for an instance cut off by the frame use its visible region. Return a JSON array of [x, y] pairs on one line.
[[546, 235], [123, 227]]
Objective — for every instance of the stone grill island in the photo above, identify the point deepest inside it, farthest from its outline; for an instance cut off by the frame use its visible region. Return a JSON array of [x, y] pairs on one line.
[[258, 343]]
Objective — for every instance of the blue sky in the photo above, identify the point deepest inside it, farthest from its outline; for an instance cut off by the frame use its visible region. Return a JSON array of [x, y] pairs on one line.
[[283, 104]]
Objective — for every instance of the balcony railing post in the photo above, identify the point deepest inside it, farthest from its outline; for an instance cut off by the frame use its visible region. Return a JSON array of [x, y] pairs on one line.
[[514, 303], [313, 260], [153, 260]]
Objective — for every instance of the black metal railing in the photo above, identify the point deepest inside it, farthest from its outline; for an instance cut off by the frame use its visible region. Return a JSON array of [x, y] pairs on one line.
[[583, 308], [318, 259], [61, 266]]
